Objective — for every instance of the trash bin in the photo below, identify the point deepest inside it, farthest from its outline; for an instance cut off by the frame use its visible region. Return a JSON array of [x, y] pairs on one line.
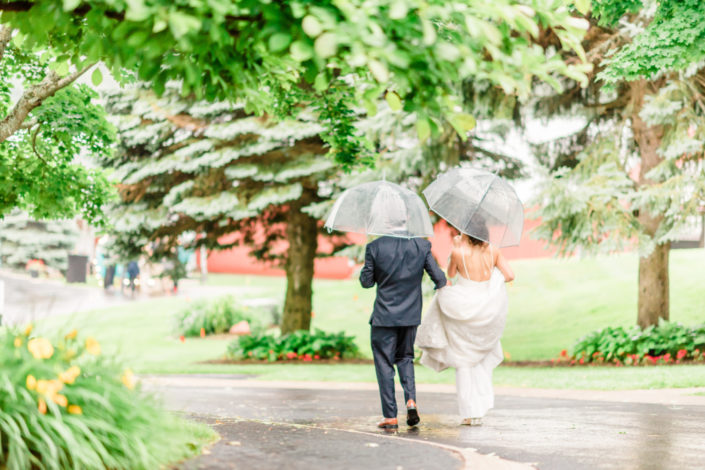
[[78, 265]]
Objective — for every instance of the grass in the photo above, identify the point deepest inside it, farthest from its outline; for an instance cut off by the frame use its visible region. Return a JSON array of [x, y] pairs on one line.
[[551, 304]]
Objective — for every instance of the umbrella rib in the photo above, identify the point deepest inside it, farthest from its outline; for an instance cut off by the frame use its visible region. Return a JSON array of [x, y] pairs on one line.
[[479, 203]]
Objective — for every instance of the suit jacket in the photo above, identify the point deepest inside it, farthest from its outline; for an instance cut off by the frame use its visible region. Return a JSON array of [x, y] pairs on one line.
[[396, 265]]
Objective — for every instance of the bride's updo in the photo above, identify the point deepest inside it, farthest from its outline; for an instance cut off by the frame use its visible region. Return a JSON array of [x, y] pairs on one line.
[[479, 227]]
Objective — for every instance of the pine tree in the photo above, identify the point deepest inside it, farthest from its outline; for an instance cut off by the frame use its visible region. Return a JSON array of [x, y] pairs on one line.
[[23, 239], [215, 169]]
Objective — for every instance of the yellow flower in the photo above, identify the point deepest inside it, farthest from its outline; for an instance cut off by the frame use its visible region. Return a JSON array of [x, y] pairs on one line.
[[92, 346], [69, 354], [49, 387], [40, 348], [31, 382], [42, 406], [72, 334], [128, 379], [18, 342], [69, 375], [60, 400], [75, 410], [28, 330]]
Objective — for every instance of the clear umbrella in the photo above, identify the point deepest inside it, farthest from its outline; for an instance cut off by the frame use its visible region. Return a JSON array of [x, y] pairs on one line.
[[380, 208], [479, 204]]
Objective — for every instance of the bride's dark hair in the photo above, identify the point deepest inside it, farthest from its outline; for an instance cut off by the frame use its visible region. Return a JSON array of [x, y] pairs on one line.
[[472, 240], [479, 227]]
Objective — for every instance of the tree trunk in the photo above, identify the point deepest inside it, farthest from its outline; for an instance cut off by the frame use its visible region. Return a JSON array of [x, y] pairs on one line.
[[653, 269], [653, 286], [302, 233]]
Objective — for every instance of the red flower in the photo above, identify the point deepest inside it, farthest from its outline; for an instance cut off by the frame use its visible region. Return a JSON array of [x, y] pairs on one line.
[[564, 353], [681, 353], [582, 360], [667, 357], [316, 356], [596, 353], [336, 358], [307, 358], [572, 362], [203, 332], [651, 359], [182, 338], [291, 355]]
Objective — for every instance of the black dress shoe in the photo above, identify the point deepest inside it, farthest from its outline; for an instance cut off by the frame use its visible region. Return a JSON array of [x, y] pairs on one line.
[[412, 416]]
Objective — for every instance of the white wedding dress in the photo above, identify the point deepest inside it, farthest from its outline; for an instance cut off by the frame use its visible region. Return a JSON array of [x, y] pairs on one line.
[[462, 329]]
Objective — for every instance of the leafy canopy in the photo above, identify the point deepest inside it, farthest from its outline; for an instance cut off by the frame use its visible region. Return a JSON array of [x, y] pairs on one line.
[[40, 171], [273, 56]]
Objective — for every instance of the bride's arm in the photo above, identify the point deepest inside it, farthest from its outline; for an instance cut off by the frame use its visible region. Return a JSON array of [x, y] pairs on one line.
[[504, 267], [452, 267]]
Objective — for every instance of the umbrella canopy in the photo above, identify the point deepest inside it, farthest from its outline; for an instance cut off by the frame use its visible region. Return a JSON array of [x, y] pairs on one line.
[[479, 204], [380, 208]]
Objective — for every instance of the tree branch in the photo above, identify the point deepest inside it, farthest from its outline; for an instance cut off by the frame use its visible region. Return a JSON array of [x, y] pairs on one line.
[[5, 36], [34, 144], [33, 97], [16, 6]]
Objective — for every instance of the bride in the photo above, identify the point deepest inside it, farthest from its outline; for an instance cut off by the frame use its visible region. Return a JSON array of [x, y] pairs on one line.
[[465, 321]]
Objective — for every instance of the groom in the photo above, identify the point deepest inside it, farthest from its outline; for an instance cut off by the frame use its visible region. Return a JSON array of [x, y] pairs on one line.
[[396, 265]]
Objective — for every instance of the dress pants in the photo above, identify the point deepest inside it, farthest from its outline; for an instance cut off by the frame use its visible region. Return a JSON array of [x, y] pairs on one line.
[[394, 345]]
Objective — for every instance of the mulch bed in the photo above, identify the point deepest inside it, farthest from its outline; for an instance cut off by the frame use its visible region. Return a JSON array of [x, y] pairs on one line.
[[261, 362], [546, 364]]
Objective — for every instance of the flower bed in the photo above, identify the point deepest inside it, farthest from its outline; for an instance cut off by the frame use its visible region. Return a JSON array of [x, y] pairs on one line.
[[64, 405], [300, 345], [207, 317], [667, 343]]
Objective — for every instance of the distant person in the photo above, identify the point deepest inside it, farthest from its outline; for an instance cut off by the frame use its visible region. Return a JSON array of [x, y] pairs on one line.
[[464, 323], [133, 273], [396, 265]]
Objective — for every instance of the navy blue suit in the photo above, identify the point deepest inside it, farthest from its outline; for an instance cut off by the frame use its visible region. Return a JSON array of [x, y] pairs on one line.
[[397, 265]]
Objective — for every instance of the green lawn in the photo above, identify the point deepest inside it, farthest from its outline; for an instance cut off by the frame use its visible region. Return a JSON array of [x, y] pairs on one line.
[[552, 303]]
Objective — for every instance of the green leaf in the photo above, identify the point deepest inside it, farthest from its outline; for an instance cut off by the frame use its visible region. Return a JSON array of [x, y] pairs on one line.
[[398, 10], [182, 24], [137, 10], [379, 70], [279, 41], [311, 26], [462, 122], [423, 128], [326, 45], [583, 6], [60, 67], [429, 32], [97, 76], [301, 51], [70, 5], [393, 101], [321, 82]]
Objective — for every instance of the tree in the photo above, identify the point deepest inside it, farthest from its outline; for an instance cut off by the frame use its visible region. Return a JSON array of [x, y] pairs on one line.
[[42, 133], [213, 169], [23, 239], [634, 171], [275, 56]]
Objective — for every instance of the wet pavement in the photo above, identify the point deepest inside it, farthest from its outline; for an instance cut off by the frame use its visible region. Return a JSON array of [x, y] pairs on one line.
[[27, 299], [545, 432]]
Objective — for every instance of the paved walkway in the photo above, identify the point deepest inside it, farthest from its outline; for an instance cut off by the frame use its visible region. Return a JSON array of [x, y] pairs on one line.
[[28, 299], [321, 426]]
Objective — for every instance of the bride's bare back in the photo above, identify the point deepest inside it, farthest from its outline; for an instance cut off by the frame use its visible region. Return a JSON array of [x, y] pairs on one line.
[[476, 262]]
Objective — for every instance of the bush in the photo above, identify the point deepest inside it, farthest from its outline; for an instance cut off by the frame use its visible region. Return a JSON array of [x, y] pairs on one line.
[[666, 343], [214, 316], [63, 405], [301, 345]]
